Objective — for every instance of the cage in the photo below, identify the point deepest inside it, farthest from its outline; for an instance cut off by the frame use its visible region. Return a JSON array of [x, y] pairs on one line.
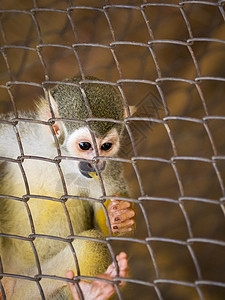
[[166, 58]]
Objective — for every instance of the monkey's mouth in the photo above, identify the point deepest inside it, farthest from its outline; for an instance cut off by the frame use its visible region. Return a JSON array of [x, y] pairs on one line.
[[86, 168]]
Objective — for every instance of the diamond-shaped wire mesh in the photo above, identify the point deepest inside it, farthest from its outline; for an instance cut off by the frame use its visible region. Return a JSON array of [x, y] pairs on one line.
[[167, 59]]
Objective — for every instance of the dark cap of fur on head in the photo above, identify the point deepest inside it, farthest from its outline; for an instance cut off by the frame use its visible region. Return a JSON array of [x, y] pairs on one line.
[[104, 102]]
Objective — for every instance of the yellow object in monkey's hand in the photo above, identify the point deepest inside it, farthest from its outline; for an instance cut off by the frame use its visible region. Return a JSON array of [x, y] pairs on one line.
[[93, 175], [101, 218]]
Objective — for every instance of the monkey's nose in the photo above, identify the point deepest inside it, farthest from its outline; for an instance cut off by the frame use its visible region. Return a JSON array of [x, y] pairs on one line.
[[86, 168], [100, 165]]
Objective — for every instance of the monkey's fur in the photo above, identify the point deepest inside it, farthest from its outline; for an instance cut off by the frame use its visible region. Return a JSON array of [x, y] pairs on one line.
[[43, 179]]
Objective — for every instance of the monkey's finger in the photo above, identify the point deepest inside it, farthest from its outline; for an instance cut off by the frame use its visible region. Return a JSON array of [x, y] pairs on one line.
[[123, 227], [122, 263], [125, 230], [70, 275], [116, 205], [121, 216]]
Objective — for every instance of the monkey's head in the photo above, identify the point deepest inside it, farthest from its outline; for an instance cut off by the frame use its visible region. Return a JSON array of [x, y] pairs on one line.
[[74, 103]]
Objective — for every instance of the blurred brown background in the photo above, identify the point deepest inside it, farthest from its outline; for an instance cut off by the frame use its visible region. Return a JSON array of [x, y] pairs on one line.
[[170, 61]]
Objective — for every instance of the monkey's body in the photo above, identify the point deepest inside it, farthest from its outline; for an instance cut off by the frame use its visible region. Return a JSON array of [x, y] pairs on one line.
[[41, 211]]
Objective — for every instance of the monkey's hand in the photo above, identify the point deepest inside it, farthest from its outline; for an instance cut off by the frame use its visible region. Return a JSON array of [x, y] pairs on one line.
[[121, 216]]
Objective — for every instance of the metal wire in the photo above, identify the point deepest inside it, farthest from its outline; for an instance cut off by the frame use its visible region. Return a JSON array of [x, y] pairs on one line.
[[156, 74]]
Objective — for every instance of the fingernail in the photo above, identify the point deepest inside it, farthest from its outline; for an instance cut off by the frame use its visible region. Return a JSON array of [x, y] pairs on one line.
[[117, 219], [115, 227], [115, 207]]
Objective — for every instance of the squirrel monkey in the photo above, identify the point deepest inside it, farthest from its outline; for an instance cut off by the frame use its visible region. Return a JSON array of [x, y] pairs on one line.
[[37, 201]]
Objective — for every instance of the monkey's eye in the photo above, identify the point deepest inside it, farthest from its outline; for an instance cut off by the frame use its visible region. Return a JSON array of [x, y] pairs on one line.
[[85, 146], [106, 146]]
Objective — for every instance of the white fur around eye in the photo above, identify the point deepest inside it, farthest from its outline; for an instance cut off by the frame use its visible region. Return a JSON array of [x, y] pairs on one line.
[[111, 137], [81, 134]]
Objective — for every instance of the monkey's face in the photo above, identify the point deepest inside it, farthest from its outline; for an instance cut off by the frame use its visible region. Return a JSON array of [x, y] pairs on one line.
[[81, 144]]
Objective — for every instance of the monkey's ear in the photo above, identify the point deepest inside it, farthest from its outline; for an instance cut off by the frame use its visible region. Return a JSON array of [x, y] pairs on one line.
[[132, 109], [44, 110], [53, 104]]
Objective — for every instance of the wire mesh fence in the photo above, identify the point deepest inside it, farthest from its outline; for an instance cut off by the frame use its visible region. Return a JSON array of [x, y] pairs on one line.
[[166, 58]]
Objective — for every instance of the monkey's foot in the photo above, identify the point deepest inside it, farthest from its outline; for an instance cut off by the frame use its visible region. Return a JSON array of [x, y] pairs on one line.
[[100, 290], [121, 216]]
